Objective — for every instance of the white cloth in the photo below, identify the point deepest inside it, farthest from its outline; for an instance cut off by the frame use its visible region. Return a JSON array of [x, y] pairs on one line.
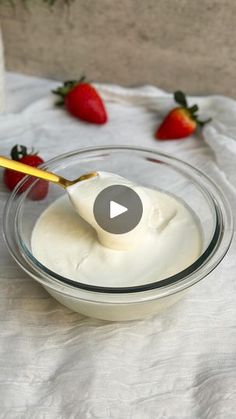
[[58, 364]]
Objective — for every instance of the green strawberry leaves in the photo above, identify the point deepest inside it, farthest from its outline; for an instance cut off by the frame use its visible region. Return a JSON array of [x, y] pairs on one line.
[[180, 98], [18, 151], [67, 86]]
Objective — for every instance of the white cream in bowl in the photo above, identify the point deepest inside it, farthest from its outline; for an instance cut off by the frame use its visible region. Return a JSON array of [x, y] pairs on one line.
[[68, 240]]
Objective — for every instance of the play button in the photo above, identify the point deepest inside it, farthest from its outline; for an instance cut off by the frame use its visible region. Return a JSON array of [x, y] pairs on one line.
[[118, 209]]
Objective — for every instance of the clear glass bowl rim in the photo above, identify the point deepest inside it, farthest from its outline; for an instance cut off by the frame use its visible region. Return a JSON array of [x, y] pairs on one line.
[[211, 257]]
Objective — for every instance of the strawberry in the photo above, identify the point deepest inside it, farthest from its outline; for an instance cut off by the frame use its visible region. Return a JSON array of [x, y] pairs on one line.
[[82, 101], [180, 122], [12, 178]]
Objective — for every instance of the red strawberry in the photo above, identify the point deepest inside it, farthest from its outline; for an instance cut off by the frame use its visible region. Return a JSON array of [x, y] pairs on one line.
[[82, 101], [180, 122], [12, 178]]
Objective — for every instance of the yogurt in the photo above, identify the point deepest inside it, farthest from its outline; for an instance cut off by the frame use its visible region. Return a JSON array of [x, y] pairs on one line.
[[67, 239]]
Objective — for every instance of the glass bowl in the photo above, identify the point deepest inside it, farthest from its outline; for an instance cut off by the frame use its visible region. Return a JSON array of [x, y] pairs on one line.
[[145, 167]]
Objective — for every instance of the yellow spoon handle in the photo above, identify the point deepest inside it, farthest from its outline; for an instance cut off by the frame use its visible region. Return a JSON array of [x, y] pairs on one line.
[[32, 171]]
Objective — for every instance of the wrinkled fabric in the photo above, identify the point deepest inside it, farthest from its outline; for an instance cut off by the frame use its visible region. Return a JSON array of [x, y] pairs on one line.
[[55, 363]]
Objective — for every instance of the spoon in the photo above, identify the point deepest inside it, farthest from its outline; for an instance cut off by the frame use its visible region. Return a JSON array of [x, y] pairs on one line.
[[42, 174]]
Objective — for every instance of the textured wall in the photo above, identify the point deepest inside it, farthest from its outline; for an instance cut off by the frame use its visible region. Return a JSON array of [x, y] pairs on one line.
[[189, 44]]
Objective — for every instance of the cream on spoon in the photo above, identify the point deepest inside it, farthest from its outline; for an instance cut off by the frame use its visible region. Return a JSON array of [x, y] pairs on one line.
[[83, 195]]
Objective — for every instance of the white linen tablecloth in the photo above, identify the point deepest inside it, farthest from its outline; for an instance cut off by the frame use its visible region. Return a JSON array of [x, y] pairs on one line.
[[58, 364]]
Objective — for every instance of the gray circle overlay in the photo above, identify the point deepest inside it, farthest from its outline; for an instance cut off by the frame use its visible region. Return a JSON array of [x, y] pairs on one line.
[[122, 195]]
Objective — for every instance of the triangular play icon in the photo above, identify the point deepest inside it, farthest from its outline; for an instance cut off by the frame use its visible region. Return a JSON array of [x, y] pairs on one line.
[[116, 209]]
